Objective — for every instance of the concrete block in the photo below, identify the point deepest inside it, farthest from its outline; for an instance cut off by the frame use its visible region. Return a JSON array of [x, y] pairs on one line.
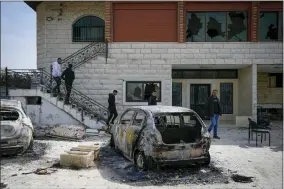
[[68, 131], [77, 159], [138, 46], [151, 56], [135, 56]]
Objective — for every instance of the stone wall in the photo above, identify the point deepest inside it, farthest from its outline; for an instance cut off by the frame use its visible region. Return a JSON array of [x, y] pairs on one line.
[[55, 37]]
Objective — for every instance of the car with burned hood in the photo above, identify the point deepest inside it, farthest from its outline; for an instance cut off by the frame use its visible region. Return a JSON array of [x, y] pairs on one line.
[[16, 128], [161, 135]]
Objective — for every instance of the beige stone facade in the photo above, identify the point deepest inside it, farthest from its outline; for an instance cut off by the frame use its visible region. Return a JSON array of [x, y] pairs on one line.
[[153, 61]]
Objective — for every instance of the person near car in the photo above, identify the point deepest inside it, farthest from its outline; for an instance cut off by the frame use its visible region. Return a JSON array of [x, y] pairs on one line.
[[214, 111], [112, 107], [56, 74], [152, 101], [68, 76]]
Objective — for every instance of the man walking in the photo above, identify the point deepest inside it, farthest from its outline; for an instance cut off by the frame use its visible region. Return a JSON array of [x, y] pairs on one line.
[[56, 74], [68, 76], [112, 107], [214, 111]]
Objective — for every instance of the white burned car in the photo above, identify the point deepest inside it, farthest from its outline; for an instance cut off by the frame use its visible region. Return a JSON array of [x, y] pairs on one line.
[[16, 128], [161, 135]]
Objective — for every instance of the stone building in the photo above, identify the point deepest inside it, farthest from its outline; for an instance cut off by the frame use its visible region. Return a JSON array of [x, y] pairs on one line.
[[186, 49]]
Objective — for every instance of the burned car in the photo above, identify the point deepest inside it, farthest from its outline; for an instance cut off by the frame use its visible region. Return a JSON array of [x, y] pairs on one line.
[[16, 128], [161, 135]]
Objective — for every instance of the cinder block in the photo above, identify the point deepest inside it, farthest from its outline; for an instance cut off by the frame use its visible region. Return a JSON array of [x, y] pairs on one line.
[[77, 159]]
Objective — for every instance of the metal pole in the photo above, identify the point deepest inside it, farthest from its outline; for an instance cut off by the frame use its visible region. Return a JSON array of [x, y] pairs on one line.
[[6, 80]]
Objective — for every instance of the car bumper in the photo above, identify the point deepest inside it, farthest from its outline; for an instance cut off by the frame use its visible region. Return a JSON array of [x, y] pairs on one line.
[[191, 161], [11, 150]]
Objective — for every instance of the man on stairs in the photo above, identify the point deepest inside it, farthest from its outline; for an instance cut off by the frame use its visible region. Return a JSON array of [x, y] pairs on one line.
[[56, 74], [112, 107], [68, 76]]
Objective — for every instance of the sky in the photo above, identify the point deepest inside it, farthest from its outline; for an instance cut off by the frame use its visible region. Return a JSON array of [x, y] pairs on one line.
[[18, 36]]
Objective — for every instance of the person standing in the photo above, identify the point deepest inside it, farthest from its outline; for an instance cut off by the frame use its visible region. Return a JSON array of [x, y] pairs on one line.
[[214, 111], [112, 107], [152, 100], [68, 76], [56, 74]]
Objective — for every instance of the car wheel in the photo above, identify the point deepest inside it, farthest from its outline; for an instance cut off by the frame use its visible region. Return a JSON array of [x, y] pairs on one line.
[[207, 162], [31, 146], [140, 160]]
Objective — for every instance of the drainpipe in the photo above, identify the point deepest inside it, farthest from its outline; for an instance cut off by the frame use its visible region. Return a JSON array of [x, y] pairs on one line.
[[6, 81]]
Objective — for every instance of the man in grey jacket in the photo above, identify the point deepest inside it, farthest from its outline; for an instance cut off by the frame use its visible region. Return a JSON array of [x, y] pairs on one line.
[[214, 111]]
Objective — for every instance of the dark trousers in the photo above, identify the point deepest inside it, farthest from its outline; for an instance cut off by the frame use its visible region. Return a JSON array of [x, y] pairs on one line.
[[68, 87], [112, 116], [58, 83]]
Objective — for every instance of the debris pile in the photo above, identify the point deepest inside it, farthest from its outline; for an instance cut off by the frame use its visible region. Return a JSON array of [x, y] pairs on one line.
[[80, 157]]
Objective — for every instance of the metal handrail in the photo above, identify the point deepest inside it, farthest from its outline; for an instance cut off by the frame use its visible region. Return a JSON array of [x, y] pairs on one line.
[[85, 54], [29, 79]]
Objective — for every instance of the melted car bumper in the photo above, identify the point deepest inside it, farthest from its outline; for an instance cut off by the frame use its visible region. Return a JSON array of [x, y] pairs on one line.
[[11, 150]]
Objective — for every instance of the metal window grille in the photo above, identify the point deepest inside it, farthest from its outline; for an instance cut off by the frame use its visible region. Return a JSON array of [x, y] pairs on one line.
[[89, 29]]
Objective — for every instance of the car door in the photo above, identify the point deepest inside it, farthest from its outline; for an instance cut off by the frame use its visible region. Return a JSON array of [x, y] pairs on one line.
[[133, 130], [124, 121]]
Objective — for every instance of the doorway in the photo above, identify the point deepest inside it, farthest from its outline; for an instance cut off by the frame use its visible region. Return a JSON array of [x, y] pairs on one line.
[[199, 94]]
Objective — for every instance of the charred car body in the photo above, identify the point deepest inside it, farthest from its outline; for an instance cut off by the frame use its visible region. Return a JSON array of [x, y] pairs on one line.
[[160, 135], [16, 128]]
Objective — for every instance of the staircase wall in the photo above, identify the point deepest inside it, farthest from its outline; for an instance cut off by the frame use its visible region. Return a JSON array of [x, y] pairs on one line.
[[46, 113]]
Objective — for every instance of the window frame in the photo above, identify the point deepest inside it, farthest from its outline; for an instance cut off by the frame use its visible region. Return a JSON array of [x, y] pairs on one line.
[[219, 7], [143, 82], [277, 11], [128, 110], [181, 73], [248, 36], [85, 40]]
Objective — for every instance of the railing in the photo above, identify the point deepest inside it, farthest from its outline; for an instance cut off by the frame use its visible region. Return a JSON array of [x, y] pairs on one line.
[[85, 54], [31, 79]]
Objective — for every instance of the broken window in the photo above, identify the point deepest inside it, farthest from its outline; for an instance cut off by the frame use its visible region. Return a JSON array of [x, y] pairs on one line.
[[139, 119], [140, 91], [271, 26], [216, 26], [127, 117]]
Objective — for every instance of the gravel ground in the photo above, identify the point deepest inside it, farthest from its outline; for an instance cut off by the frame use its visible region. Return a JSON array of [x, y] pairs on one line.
[[230, 155]]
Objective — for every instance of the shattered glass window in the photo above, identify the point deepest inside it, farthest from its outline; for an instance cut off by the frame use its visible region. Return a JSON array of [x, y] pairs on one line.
[[271, 26], [195, 26], [216, 26], [237, 26]]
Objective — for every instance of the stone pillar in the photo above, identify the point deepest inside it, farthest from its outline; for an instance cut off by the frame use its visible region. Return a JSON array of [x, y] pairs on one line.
[[108, 20], [180, 12], [254, 91], [254, 21]]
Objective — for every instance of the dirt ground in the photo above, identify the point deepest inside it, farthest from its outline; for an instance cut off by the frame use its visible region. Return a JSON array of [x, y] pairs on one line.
[[230, 155]]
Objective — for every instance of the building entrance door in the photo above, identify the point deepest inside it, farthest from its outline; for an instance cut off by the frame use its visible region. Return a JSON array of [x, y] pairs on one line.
[[199, 94]]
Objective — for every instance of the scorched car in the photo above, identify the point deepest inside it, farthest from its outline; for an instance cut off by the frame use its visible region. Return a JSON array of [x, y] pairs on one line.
[[161, 135], [16, 128]]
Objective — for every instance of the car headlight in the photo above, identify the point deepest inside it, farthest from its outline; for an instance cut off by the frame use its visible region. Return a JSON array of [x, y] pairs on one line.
[[7, 130]]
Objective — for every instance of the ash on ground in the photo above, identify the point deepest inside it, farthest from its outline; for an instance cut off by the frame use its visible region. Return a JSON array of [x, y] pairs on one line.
[[116, 168]]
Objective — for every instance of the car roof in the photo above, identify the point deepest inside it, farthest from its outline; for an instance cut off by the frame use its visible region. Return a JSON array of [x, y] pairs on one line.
[[10, 103], [163, 109]]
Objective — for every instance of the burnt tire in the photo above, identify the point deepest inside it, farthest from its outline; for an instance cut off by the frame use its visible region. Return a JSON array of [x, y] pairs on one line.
[[208, 160], [111, 143], [31, 146], [142, 162]]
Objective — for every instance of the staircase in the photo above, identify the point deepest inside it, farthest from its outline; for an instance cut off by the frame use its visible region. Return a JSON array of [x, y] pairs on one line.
[[39, 83]]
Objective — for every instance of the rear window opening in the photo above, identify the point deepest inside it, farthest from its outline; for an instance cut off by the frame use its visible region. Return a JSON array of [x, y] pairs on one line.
[[178, 127], [9, 115]]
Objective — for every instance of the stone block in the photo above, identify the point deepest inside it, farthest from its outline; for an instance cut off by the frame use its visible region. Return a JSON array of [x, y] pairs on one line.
[[68, 131], [77, 159], [135, 56], [138, 46]]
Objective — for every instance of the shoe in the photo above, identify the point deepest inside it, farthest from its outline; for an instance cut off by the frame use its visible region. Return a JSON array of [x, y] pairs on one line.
[[216, 137]]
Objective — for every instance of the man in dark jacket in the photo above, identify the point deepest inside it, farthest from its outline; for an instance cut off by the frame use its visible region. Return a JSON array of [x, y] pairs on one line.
[[214, 111], [112, 107], [152, 100], [68, 76]]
